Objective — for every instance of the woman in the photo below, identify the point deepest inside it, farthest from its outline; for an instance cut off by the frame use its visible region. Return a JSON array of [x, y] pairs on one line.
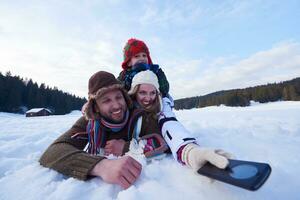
[[145, 94], [152, 143]]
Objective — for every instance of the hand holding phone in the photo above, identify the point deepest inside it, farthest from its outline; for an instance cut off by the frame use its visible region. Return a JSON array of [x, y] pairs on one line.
[[246, 174]]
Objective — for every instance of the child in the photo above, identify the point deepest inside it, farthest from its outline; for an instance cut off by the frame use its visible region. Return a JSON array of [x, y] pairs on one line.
[[137, 58]]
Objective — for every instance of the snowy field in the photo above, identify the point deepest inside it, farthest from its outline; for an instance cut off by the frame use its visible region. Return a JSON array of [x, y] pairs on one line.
[[262, 132]]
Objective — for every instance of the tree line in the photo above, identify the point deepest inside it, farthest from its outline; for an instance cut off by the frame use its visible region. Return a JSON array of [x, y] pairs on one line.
[[283, 91], [18, 95]]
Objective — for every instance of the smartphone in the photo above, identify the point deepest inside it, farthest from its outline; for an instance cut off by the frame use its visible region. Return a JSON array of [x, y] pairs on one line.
[[245, 174]]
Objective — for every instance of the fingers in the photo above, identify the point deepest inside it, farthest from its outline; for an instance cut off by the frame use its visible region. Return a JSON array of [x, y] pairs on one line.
[[124, 183], [114, 147], [109, 143], [137, 168], [133, 166], [107, 150], [123, 171], [129, 177], [225, 154], [109, 147], [217, 160], [130, 172]]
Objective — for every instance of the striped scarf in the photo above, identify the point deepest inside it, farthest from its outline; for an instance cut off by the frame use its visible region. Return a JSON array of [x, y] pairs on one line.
[[96, 130]]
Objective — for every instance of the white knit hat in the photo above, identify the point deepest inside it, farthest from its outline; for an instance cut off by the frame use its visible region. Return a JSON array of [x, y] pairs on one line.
[[144, 77]]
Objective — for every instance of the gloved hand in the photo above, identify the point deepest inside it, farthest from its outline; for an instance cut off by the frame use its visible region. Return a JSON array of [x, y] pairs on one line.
[[167, 105], [164, 85], [195, 156]]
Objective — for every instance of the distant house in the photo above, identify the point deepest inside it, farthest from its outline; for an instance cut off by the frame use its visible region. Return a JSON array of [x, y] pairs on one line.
[[38, 112]]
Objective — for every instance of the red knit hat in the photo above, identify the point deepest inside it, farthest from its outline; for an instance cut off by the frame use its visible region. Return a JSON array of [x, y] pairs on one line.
[[132, 47]]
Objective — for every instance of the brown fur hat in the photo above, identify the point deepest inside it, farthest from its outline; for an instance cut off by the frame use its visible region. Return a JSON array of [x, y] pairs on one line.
[[100, 83]]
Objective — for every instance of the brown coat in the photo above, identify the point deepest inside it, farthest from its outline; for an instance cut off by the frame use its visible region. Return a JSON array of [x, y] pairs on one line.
[[66, 154]]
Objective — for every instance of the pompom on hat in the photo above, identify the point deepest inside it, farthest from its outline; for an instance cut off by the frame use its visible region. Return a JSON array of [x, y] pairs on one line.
[[133, 47], [100, 83]]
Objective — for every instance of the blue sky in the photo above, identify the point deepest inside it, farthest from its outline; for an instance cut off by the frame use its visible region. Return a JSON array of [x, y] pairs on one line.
[[203, 46]]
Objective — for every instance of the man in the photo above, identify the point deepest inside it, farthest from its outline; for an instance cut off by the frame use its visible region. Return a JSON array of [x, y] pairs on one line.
[[111, 104], [111, 122]]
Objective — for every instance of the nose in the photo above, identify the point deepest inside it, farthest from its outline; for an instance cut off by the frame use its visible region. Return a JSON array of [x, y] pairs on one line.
[[115, 105], [147, 97], [142, 58]]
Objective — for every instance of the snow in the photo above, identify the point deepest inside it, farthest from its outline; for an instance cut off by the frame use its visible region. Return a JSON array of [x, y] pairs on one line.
[[262, 132]]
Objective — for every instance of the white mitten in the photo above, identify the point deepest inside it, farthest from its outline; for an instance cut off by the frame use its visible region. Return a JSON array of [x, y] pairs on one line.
[[167, 105], [195, 156]]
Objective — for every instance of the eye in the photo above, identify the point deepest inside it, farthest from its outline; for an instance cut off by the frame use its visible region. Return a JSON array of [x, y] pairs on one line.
[[153, 93], [142, 93], [104, 101], [119, 97]]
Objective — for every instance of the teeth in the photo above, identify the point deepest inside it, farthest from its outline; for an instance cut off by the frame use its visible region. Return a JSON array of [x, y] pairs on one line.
[[116, 112]]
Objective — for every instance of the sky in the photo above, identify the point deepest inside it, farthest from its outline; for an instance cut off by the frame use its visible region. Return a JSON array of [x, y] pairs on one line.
[[202, 46]]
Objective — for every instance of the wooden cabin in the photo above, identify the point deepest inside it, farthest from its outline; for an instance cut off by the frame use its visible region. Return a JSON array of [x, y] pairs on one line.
[[38, 112]]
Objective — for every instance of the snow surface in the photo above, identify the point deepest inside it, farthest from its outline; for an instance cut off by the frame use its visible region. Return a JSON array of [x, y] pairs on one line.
[[262, 132]]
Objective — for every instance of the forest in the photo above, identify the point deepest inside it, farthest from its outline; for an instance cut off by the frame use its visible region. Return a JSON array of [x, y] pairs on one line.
[[17, 95], [283, 91]]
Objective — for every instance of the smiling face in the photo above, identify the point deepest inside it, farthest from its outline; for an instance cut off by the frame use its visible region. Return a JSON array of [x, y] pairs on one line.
[[138, 58], [112, 106], [146, 95]]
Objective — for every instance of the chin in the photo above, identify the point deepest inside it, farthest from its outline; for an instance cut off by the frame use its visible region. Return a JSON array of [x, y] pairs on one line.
[[117, 121], [148, 106]]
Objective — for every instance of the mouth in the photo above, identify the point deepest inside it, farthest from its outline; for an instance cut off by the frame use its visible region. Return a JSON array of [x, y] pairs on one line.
[[142, 62], [146, 103], [116, 112]]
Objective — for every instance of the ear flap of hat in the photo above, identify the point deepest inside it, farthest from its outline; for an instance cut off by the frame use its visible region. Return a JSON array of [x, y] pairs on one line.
[[89, 110], [127, 99]]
